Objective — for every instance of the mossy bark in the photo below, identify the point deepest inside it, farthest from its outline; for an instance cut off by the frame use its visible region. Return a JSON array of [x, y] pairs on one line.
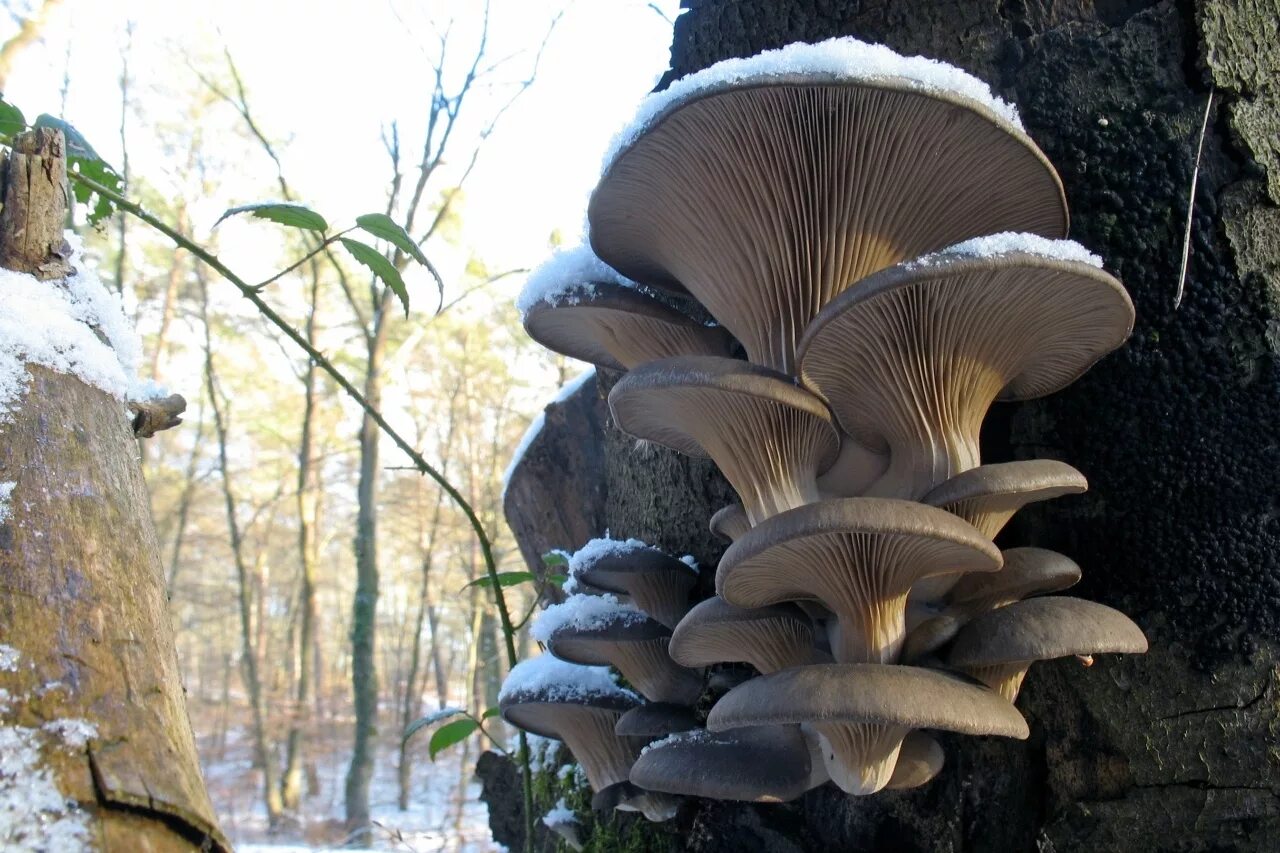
[[82, 590]]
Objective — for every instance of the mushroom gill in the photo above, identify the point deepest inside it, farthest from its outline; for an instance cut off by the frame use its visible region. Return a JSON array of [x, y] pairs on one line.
[[656, 583], [911, 358], [768, 638]]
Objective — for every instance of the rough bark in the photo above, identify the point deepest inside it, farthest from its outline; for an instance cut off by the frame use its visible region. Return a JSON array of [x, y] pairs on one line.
[[1174, 750], [79, 542]]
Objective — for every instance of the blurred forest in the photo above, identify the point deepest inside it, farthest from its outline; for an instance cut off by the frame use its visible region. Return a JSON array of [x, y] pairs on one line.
[[320, 587]]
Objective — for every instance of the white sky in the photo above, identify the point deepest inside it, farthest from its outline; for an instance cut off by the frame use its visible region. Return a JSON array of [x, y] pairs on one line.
[[326, 76]]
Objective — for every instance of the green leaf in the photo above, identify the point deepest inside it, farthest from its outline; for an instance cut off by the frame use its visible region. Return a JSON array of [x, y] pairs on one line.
[[449, 734], [490, 713], [505, 579], [434, 717], [282, 213], [385, 228], [12, 121], [557, 579], [381, 267], [554, 559]]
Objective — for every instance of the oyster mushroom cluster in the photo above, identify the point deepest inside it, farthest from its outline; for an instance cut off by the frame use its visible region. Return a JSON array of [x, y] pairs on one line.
[[885, 245]]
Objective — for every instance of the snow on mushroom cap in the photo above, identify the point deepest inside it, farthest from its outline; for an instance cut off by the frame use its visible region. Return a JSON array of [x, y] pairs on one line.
[[693, 736], [566, 278], [583, 612], [1010, 242], [597, 549], [846, 59], [550, 679]]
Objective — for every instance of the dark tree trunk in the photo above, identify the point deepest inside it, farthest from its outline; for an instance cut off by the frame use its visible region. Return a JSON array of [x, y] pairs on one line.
[[1175, 749]]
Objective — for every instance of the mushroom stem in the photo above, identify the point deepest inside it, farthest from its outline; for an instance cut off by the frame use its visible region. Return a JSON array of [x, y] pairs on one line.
[[605, 757], [1004, 678], [872, 635], [649, 668], [860, 756]]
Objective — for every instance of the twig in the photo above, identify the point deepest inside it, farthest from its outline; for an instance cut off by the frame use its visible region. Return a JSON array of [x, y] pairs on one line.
[[1191, 202]]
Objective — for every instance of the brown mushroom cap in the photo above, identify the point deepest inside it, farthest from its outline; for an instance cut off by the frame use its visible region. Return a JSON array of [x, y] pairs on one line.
[[730, 522], [920, 759], [768, 638], [637, 646], [656, 719], [911, 359], [762, 764], [989, 495], [859, 556], [999, 647], [618, 327], [765, 200], [864, 711], [657, 583], [769, 438]]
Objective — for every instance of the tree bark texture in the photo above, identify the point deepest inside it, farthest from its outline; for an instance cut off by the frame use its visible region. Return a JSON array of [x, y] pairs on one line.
[[82, 590], [1177, 749]]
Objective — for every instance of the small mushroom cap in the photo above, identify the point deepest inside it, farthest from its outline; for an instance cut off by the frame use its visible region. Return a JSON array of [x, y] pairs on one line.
[[617, 327], [658, 584], [769, 437], [656, 719], [716, 631], [866, 693], [1043, 629], [545, 717], [730, 522], [628, 797], [1026, 572], [537, 690], [919, 760], [768, 764], [637, 646], [1017, 483]]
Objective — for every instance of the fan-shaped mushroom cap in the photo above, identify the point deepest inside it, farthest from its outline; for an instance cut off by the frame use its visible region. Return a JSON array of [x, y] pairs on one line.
[[579, 705], [730, 522], [618, 327], [628, 797], [859, 556], [920, 759], [768, 638], [656, 719], [999, 647], [911, 358], [863, 712], [637, 646], [762, 764], [657, 584], [989, 495], [769, 438], [767, 186]]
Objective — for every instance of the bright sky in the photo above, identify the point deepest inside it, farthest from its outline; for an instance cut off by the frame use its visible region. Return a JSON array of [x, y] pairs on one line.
[[326, 77]]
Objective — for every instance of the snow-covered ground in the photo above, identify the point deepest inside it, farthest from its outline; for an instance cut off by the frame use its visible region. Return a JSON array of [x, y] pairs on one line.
[[443, 815]]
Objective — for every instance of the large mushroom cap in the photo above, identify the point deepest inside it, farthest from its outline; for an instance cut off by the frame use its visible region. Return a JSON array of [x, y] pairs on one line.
[[860, 557], [763, 764], [998, 647], [618, 327], [637, 646], [863, 712], [657, 583], [912, 357], [768, 185], [769, 438], [768, 638], [656, 719], [989, 495]]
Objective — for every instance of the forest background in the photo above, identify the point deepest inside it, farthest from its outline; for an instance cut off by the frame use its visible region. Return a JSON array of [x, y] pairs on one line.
[[283, 519]]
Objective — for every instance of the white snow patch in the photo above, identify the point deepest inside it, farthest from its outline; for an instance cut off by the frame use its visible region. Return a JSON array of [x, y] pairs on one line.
[[561, 814], [33, 813], [56, 324], [568, 277], [9, 658], [1010, 242], [694, 736], [597, 549], [6, 492], [582, 612], [560, 681], [846, 59], [5, 698], [73, 733], [542, 750], [535, 426], [689, 561]]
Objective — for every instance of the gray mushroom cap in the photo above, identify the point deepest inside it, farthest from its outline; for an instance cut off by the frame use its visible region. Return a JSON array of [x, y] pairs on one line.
[[655, 720], [637, 646], [920, 759], [730, 522], [769, 437], [657, 583], [769, 638], [763, 764], [998, 647], [618, 327], [628, 797]]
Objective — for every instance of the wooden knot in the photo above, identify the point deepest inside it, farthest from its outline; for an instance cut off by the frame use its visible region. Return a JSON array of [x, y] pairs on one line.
[[152, 416]]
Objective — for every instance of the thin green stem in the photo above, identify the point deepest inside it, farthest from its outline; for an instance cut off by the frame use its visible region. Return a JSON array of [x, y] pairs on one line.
[[249, 292], [326, 243]]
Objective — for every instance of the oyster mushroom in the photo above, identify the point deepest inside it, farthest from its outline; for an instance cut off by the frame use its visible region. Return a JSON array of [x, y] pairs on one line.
[[656, 583], [766, 186], [999, 647], [769, 438], [859, 557], [762, 764], [919, 760], [862, 713], [911, 358], [768, 638], [656, 720], [730, 522]]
